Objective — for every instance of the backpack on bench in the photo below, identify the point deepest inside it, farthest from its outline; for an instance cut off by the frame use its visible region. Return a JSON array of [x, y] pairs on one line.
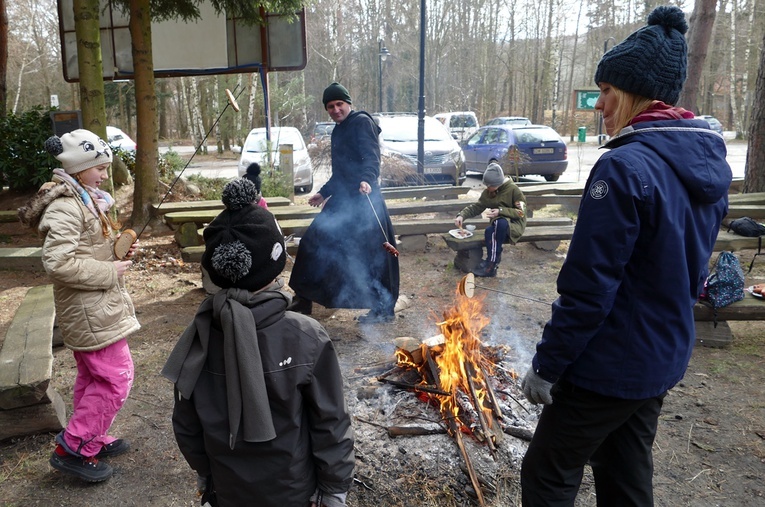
[[725, 285]]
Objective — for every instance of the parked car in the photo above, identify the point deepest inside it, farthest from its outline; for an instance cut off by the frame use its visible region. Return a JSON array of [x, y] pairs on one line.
[[533, 149], [461, 124], [322, 130], [256, 149], [515, 121], [714, 123], [443, 162], [118, 139]]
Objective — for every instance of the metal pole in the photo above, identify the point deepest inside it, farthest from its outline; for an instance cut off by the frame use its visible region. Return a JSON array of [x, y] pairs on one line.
[[421, 104], [380, 62]]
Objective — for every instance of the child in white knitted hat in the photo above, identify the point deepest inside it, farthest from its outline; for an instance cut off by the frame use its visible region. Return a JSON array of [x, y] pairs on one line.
[[93, 308]]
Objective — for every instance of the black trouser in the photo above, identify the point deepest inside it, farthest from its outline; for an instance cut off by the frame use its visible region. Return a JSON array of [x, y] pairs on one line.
[[495, 235], [614, 435]]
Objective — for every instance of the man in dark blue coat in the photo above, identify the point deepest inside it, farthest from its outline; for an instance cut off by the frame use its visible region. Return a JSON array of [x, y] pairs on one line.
[[342, 260]]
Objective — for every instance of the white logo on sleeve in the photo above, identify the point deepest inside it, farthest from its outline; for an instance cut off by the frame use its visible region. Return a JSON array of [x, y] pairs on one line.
[[599, 189], [276, 251], [286, 361]]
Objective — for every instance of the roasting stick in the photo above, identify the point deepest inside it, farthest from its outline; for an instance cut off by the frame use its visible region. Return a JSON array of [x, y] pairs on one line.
[[387, 245], [467, 284], [129, 236]]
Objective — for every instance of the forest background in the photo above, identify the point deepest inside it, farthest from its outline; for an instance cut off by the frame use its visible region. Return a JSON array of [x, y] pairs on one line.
[[498, 57]]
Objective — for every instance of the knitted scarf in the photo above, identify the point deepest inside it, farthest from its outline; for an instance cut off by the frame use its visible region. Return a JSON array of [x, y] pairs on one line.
[[89, 195], [245, 382]]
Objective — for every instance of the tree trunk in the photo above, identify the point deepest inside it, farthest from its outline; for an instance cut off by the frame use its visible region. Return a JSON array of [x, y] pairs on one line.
[[91, 70], [146, 190], [3, 58], [702, 21], [754, 171]]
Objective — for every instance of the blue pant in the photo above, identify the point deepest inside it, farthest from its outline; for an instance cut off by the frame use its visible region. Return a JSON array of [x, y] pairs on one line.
[[614, 435], [496, 234]]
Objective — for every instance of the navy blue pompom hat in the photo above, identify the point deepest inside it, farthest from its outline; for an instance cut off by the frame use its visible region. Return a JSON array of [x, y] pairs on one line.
[[244, 248], [652, 62]]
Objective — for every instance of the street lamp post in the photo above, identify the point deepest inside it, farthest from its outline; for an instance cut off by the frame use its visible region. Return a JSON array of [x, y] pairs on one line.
[[382, 55]]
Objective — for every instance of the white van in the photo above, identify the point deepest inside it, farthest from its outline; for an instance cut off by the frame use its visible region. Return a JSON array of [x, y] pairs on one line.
[[461, 124]]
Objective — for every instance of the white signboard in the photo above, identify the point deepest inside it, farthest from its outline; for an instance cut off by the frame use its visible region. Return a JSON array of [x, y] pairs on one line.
[[214, 44]]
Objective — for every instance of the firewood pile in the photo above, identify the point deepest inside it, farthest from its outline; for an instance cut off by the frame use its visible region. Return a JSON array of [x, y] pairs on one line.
[[463, 379]]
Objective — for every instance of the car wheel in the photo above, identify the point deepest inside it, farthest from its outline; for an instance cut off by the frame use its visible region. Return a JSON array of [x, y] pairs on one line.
[[552, 177]]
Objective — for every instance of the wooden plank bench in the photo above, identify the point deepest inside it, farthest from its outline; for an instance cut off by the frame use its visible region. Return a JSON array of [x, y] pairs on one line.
[[28, 404], [404, 227], [8, 216], [437, 192], [470, 250], [215, 204], [451, 206], [28, 258], [428, 192], [707, 334]]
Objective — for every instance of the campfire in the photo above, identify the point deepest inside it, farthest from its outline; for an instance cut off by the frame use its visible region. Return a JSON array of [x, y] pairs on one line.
[[460, 376]]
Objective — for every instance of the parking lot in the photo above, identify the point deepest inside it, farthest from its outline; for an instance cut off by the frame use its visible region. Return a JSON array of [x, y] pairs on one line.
[[581, 158]]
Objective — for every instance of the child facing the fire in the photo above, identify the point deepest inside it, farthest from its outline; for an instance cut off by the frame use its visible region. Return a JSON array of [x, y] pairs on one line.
[[259, 411], [94, 310], [622, 330], [503, 203]]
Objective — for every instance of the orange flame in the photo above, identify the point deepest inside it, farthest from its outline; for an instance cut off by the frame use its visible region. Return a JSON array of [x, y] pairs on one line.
[[461, 327]]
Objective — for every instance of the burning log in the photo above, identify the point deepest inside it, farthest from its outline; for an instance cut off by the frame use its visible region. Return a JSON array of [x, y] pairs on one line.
[[411, 431], [416, 387], [452, 374], [482, 419], [492, 395]]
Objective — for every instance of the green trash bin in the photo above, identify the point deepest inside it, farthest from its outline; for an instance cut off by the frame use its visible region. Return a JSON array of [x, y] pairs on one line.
[[582, 134]]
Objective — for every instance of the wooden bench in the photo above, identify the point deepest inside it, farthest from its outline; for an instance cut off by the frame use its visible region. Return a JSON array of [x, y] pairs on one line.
[[28, 258], [9, 216], [749, 308], [28, 404], [403, 227], [470, 250], [451, 206], [436, 192], [215, 204]]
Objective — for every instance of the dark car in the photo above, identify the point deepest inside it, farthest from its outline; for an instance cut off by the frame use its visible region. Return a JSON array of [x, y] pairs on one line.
[[443, 162], [515, 121], [322, 130], [714, 123], [533, 149]]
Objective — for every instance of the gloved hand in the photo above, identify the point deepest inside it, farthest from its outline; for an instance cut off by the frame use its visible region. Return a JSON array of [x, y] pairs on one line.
[[201, 484], [536, 389]]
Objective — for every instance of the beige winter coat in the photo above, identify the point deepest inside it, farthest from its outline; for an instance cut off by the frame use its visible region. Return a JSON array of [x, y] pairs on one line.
[[92, 306]]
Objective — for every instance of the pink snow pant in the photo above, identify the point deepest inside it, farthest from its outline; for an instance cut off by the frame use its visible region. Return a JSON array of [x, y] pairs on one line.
[[104, 379]]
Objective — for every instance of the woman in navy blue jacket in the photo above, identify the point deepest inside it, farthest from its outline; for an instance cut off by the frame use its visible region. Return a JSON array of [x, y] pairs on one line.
[[622, 330]]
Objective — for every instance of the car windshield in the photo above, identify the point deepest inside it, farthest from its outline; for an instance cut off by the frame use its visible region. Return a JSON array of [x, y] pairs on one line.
[[462, 121], [536, 135], [404, 130], [256, 141], [323, 129]]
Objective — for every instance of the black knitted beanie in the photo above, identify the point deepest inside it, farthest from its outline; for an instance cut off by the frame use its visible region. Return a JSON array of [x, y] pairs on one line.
[[336, 91], [244, 248], [652, 61]]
